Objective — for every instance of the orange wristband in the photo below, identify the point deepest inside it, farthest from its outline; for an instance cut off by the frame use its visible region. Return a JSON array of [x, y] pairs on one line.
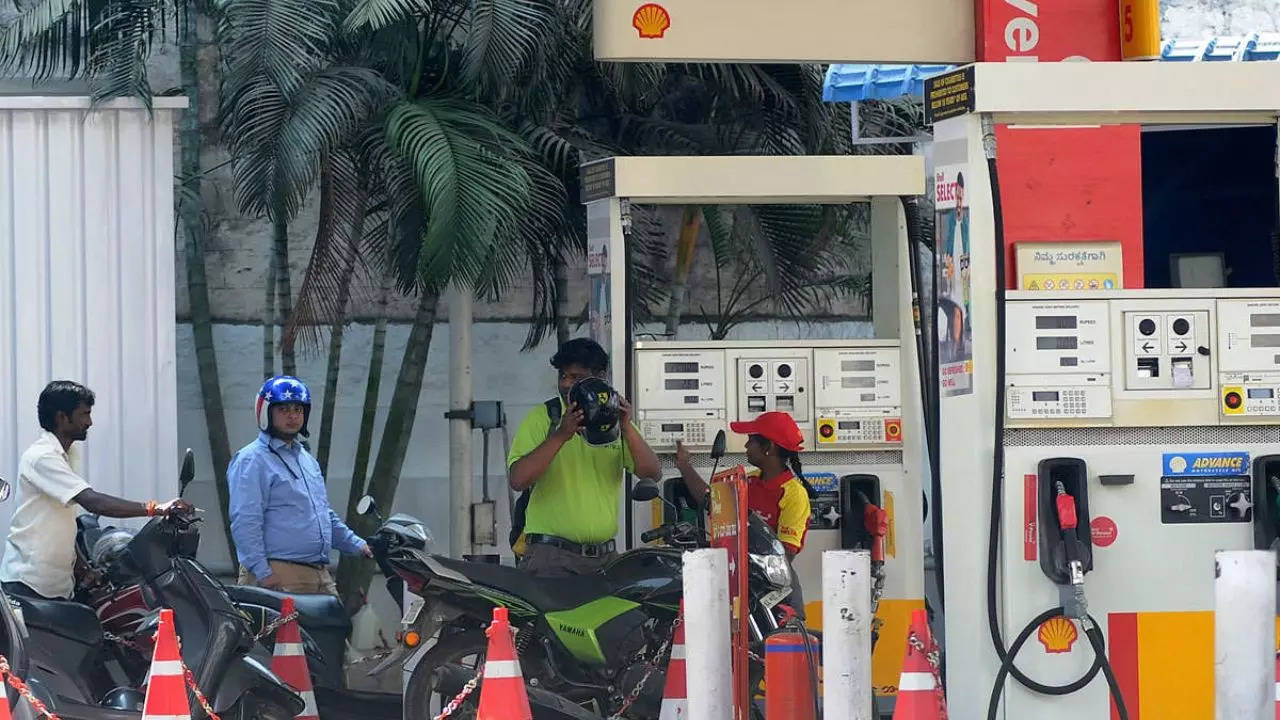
[[151, 508]]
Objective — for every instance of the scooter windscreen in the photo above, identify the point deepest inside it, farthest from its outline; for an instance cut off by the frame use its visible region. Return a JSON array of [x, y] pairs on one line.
[[761, 539]]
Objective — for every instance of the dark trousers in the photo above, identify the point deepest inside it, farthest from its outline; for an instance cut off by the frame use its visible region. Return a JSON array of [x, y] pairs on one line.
[[545, 560]]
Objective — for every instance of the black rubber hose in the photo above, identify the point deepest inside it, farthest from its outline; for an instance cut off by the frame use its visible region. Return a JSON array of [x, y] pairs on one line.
[[997, 472], [929, 403], [1007, 666], [1099, 651]]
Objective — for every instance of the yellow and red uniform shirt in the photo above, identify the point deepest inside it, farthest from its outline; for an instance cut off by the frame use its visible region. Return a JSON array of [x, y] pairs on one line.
[[784, 504]]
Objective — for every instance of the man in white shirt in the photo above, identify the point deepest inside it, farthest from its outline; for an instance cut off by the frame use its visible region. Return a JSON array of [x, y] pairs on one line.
[[39, 555]]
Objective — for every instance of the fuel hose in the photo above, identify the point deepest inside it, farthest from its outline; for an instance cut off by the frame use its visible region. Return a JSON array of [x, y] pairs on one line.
[[1092, 629]]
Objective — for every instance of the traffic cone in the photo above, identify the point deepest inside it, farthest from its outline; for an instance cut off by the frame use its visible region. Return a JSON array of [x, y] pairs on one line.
[[919, 696], [675, 695], [289, 662], [4, 701], [502, 694], [166, 691]]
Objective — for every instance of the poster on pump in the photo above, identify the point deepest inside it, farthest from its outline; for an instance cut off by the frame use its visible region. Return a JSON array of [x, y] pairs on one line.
[[952, 252]]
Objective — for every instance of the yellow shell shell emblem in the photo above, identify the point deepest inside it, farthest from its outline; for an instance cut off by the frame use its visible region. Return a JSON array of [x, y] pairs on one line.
[[651, 20], [1058, 635]]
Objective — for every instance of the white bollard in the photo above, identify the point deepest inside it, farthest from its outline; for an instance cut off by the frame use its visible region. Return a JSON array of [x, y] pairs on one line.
[[708, 655], [1244, 640], [846, 634]]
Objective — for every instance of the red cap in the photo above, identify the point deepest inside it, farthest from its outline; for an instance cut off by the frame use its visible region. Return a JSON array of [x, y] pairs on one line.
[[777, 427]]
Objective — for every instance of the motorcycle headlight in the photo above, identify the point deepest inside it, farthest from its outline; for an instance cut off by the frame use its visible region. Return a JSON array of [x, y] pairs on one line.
[[774, 567], [420, 532]]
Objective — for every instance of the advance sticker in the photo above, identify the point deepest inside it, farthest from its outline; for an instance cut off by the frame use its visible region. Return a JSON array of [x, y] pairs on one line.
[[1222, 463]]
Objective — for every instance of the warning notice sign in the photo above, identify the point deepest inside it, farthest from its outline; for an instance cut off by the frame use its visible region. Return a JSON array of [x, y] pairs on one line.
[[948, 95]]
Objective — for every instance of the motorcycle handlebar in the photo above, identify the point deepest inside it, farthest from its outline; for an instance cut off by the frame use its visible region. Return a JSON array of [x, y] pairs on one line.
[[654, 534]]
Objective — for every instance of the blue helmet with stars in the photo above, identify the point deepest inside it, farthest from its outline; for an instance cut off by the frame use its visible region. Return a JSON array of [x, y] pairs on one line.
[[282, 389]]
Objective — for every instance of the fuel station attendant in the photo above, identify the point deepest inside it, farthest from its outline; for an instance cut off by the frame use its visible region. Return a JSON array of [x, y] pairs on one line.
[[780, 494], [573, 486]]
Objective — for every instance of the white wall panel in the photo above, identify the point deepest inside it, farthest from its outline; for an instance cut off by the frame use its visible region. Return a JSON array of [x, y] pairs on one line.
[[87, 283]]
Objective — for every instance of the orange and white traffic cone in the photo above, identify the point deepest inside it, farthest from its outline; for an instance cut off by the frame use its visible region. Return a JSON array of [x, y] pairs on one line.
[[502, 693], [675, 695], [4, 701], [289, 662], [166, 690], [919, 695]]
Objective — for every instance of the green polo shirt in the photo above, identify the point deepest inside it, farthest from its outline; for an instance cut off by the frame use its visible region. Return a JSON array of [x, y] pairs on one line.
[[577, 498]]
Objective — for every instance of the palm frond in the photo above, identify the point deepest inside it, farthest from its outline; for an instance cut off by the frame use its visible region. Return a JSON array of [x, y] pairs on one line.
[[503, 36], [472, 194], [326, 286], [281, 40], [105, 41], [378, 14], [279, 141]]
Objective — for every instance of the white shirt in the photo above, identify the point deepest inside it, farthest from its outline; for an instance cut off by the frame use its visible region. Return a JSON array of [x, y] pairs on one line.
[[41, 550]]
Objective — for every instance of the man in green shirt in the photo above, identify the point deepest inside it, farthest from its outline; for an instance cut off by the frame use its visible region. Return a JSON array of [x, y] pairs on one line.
[[574, 487]]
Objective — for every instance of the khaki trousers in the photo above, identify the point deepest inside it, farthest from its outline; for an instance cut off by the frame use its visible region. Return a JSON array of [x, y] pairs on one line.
[[296, 578]]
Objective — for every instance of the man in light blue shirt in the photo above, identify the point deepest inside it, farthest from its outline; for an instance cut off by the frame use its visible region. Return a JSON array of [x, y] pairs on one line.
[[281, 521]]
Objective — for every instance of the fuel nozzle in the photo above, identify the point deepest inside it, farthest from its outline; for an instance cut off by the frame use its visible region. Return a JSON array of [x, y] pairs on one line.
[[1074, 603]]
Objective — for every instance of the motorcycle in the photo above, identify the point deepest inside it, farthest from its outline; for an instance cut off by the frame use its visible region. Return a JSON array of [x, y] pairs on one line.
[[69, 647], [13, 641], [111, 589], [598, 641]]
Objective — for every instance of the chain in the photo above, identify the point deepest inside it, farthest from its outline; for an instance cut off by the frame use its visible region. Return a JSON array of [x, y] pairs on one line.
[[131, 644], [191, 683], [461, 697], [934, 658], [652, 667], [877, 590], [276, 625], [24, 691]]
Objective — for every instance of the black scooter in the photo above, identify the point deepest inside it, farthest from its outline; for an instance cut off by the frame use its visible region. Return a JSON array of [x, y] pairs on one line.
[[66, 648], [325, 628]]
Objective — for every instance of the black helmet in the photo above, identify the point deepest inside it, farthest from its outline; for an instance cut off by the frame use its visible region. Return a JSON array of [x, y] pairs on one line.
[[599, 405]]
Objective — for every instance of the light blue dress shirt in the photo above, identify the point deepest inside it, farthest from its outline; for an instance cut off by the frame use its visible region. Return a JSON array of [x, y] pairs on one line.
[[279, 509]]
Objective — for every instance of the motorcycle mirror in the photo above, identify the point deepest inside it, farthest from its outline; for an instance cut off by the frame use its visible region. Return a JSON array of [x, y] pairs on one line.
[[187, 473], [4, 490], [366, 505], [717, 446], [645, 490]]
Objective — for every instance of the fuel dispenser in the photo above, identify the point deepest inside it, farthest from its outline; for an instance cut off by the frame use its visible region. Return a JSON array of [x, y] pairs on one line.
[[858, 401], [846, 395], [1141, 425], [1098, 444]]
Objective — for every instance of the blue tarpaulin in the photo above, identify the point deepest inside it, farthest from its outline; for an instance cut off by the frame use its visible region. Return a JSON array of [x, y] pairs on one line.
[[851, 83]]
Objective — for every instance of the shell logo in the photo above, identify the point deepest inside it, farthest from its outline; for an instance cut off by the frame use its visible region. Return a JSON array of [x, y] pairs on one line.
[[1058, 635], [651, 20]]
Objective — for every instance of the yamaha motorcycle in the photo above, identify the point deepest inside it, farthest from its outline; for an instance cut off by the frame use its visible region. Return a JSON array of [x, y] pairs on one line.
[[69, 650], [598, 641]]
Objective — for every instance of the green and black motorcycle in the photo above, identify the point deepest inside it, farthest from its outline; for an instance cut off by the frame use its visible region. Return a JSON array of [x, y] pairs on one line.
[[599, 642]]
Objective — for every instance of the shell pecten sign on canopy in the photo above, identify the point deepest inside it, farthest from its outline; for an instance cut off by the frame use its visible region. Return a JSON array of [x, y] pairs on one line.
[[651, 20], [767, 31]]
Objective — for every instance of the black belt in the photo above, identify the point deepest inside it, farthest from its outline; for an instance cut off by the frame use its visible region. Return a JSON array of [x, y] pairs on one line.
[[584, 549], [317, 566]]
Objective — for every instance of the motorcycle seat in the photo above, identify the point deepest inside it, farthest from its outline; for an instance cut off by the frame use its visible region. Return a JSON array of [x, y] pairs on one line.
[[545, 594], [314, 611], [61, 617]]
